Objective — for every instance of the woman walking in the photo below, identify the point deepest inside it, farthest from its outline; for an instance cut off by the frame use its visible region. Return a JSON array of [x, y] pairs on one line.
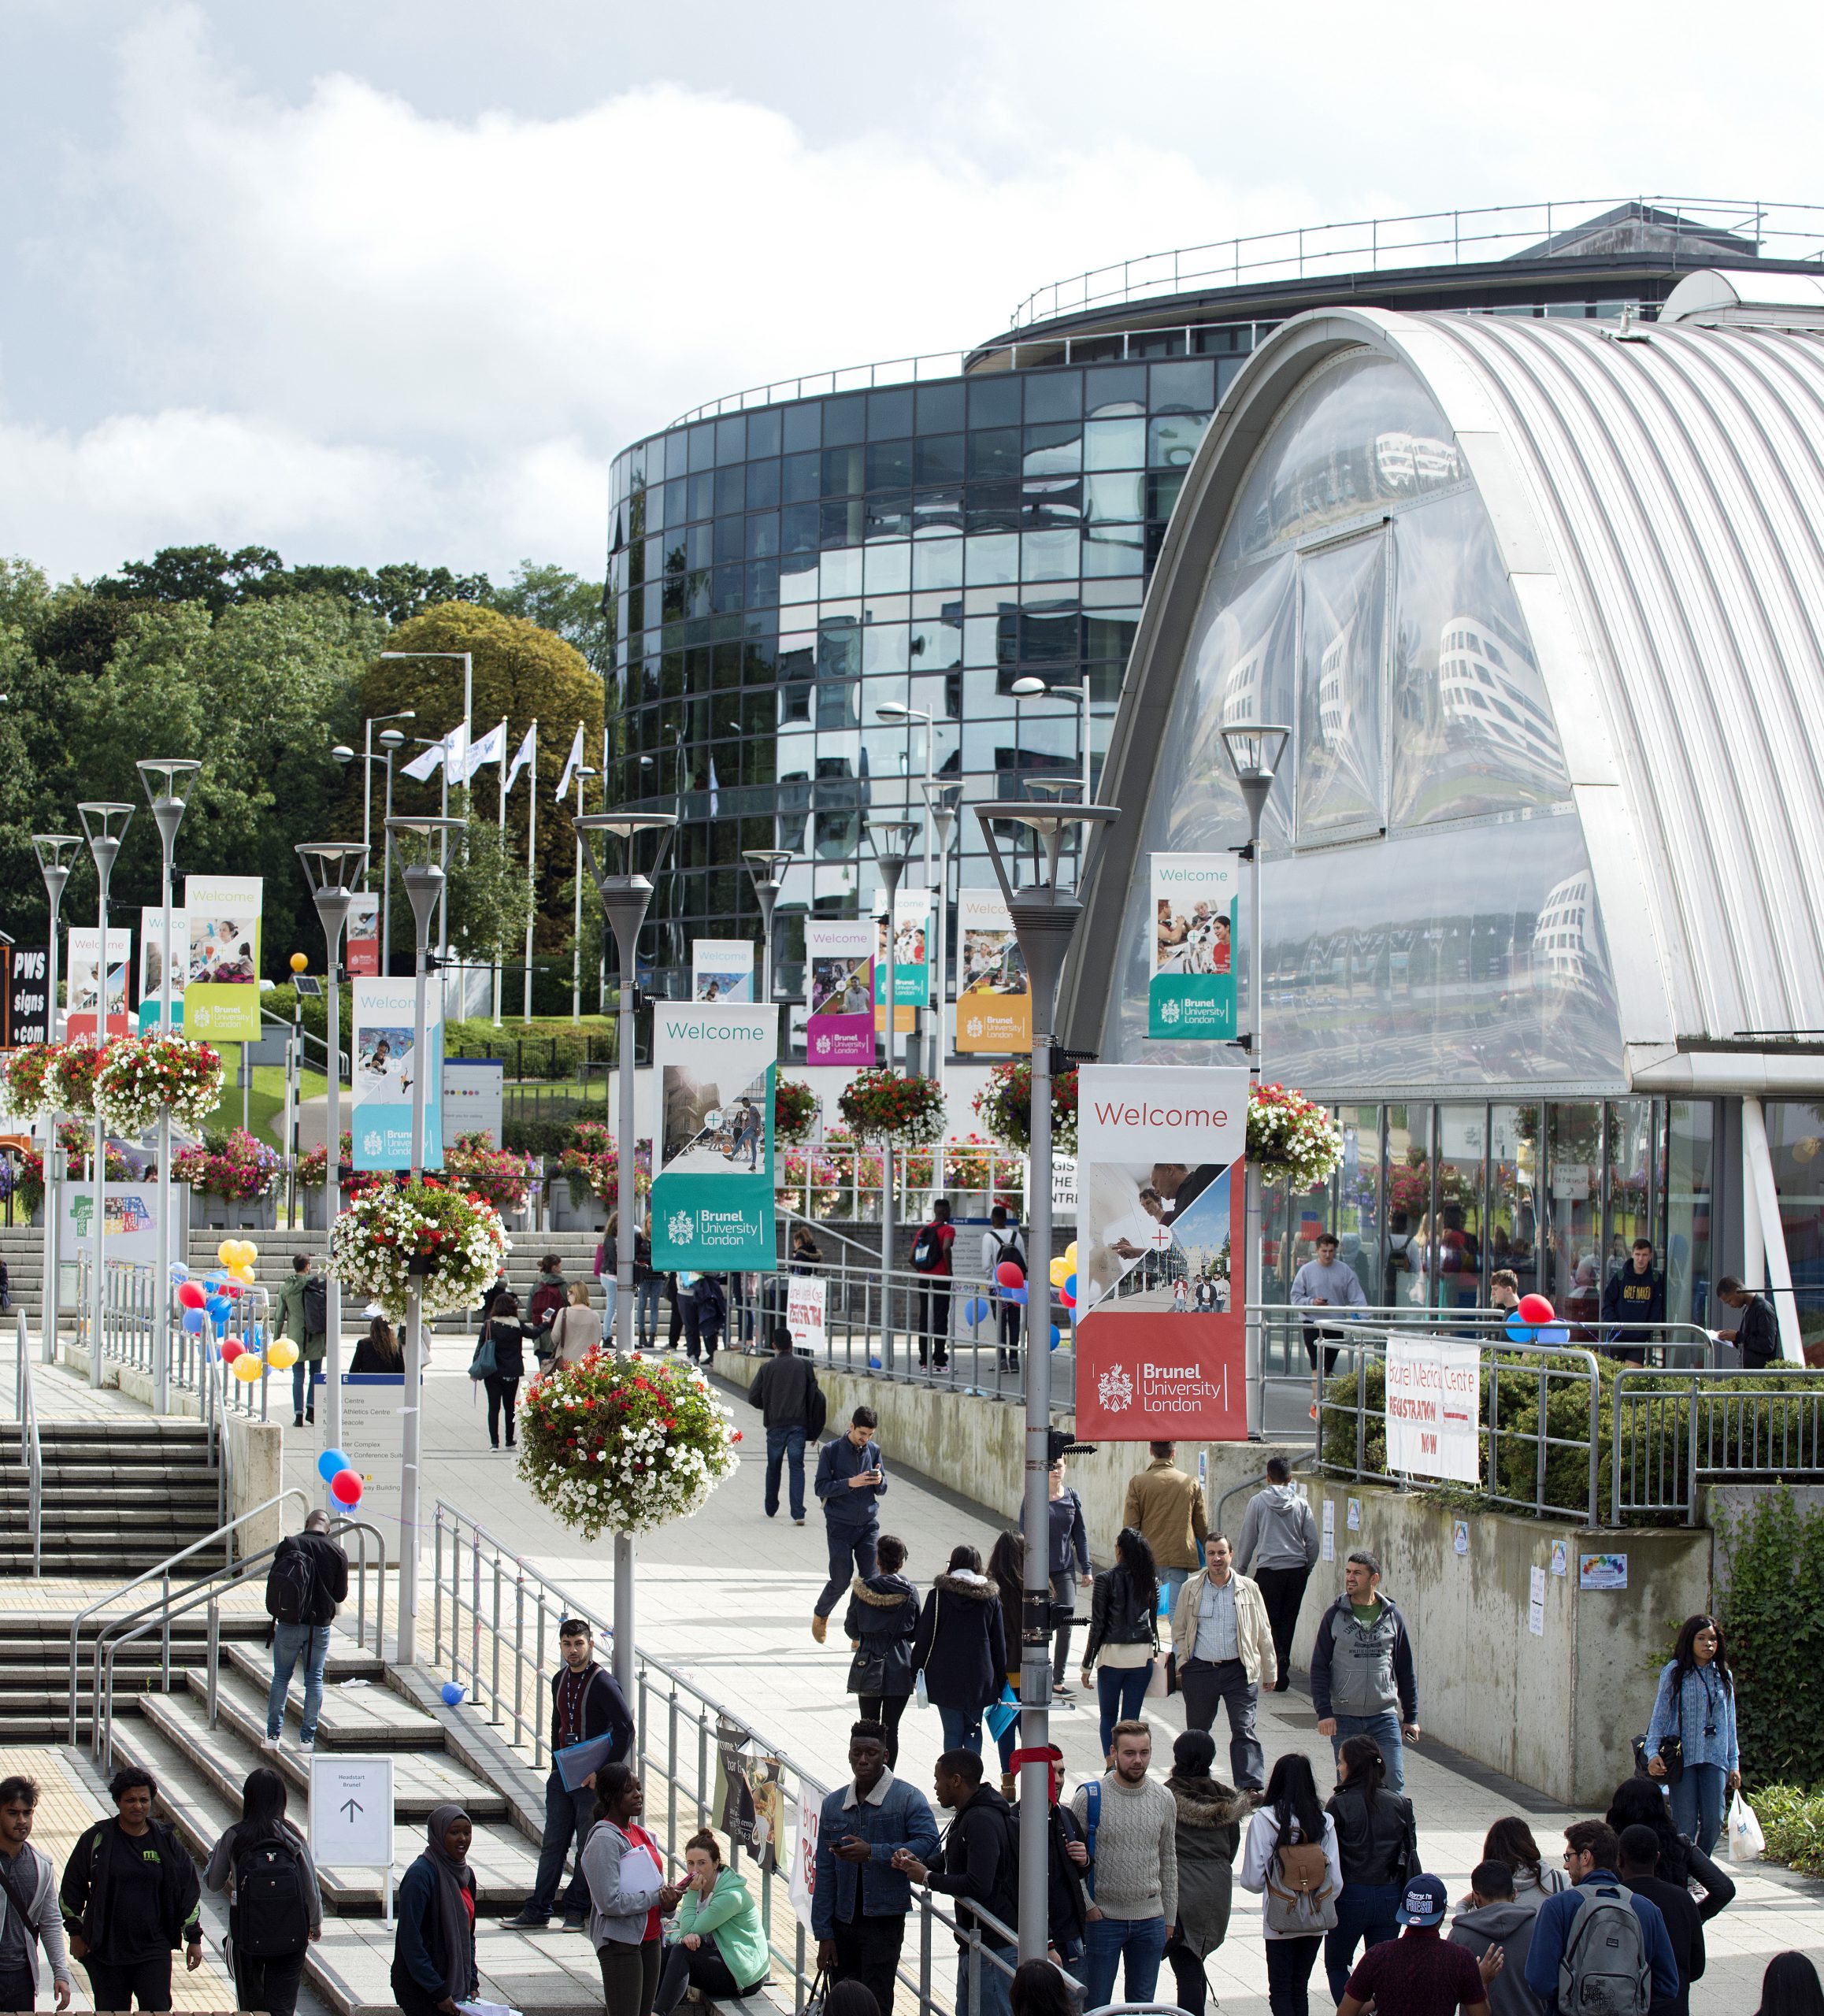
[[1007, 1570], [882, 1623], [1208, 1834], [434, 1947], [607, 1274], [1295, 1893], [1067, 1560], [627, 1894], [1639, 1802], [1511, 1841], [577, 1329], [718, 1945], [267, 1940], [1691, 1740], [961, 1648], [504, 1339], [1378, 1848], [1124, 1631]]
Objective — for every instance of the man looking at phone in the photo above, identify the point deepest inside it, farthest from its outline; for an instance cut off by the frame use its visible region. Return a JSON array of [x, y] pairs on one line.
[[850, 1483]]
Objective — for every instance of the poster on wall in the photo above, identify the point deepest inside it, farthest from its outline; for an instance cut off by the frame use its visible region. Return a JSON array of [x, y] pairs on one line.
[[27, 997], [362, 955], [805, 1312], [721, 969], [386, 1067], [1192, 990], [82, 970], [994, 1005], [132, 1225], [1434, 1408], [912, 942], [1160, 1247], [221, 983], [152, 965], [840, 1028], [712, 1200]]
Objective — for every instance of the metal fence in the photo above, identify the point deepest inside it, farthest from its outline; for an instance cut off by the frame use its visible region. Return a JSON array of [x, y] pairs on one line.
[[31, 1447], [132, 1309], [1675, 1432]]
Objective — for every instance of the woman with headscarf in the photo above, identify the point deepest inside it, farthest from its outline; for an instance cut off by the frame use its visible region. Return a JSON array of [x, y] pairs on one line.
[[434, 1949], [263, 1839], [627, 1894]]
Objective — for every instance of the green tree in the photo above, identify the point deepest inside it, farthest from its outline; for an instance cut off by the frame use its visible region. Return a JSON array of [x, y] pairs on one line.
[[222, 580], [490, 898], [575, 609]]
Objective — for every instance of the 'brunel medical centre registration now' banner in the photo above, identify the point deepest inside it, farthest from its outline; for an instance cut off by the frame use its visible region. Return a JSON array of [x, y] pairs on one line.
[[1162, 1287]]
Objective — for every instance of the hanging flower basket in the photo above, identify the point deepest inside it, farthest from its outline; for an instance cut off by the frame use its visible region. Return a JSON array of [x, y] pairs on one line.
[[624, 1445], [497, 1176], [27, 1073], [451, 1244], [233, 1166], [70, 1079], [795, 1110], [141, 1077], [1004, 1105], [887, 1105], [1291, 1138]]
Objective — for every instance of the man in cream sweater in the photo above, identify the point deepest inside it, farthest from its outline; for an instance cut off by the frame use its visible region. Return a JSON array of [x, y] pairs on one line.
[[1129, 1850]]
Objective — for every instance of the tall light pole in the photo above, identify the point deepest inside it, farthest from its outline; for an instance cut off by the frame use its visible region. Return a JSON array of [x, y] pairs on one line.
[[1030, 688], [55, 852], [940, 807], [373, 720], [767, 866], [168, 781], [392, 742], [891, 841], [1255, 753], [333, 869], [1045, 917], [421, 845], [105, 825], [625, 898], [583, 772]]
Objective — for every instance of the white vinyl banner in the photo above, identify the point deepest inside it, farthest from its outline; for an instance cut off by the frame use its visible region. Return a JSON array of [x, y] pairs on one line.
[[1434, 1408], [804, 1303], [721, 969]]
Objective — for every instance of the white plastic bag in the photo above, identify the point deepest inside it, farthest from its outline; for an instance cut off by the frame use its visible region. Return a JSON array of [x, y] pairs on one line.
[[1746, 1841]]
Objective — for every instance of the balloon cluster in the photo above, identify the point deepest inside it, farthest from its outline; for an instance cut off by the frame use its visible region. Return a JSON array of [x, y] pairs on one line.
[[341, 1476], [1536, 1322], [213, 1298], [1010, 1279]]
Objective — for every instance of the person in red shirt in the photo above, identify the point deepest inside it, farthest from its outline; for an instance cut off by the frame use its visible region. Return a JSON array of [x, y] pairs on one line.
[[931, 1251], [1419, 1974]]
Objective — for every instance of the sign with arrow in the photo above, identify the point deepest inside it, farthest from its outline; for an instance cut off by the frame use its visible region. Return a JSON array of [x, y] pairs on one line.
[[351, 1812]]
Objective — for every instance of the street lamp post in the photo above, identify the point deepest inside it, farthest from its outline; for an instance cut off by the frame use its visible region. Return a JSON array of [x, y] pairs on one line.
[[1030, 688], [373, 720], [1255, 753], [625, 898], [468, 662], [583, 772], [392, 742], [55, 853], [767, 866], [891, 841], [168, 781], [423, 877], [1045, 917], [105, 825], [333, 869], [942, 811]]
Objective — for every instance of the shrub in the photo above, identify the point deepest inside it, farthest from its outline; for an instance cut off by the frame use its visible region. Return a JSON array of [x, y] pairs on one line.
[[1793, 1821], [1773, 1613]]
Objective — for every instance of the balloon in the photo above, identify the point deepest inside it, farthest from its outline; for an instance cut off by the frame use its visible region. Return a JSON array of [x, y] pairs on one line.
[[179, 1273], [1536, 1309], [1013, 1294], [1521, 1331], [191, 1296], [248, 1368], [245, 1275], [283, 1355], [1070, 1286], [193, 1322], [331, 1462], [1070, 1253], [219, 1308], [974, 1310], [345, 1488], [453, 1693], [1059, 1267], [1068, 1299], [232, 1349], [245, 1252], [299, 963], [225, 1252], [1010, 1275], [1057, 1337], [256, 1336], [1555, 1333]]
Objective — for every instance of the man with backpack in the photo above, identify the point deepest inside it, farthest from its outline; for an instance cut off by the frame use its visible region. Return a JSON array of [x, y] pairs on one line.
[[794, 1408], [1128, 1823], [275, 1901], [1420, 1973], [931, 1251], [28, 1912], [307, 1581], [710, 1298], [1599, 1948], [303, 1315], [129, 1896], [981, 1865], [1003, 1240]]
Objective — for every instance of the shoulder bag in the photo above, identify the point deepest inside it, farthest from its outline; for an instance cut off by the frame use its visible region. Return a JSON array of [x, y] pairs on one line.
[[921, 1693]]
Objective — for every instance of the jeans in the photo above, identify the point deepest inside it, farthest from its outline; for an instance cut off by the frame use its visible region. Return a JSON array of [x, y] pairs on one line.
[[1120, 1690], [647, 1295], [1137, 1945], [1225, 1681], [1283, 1591], [1288, 1974], [16, 1989], [1192, 1982], [629, 1976], [1171, 1581], [996, 1998], [501, 1395], [846, 1543], [1364, 1912], [289, 1640], [1009, 1325], [270, 1985], [610, 1296], [867, 1951], [962, 1728], [934, 1319], [785, 1446], [1697, 1804], [1384, 1729], [704, 1968], [303, 1395], [567, 1816]]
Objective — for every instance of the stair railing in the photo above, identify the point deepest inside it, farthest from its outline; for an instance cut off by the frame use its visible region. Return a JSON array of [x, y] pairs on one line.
[[31, 1447]]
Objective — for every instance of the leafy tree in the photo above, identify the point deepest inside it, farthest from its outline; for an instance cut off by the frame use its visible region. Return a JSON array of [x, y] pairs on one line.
[[223, 580], [576, 610], [490, 898]]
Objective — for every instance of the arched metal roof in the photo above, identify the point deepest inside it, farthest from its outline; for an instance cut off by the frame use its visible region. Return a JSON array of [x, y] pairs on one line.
[[1658, 497]]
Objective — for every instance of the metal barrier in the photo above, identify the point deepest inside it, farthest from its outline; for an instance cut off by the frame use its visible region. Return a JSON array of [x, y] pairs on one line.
[[31, 1448], [494, 1618], [1675, 1431], [130, 1314]]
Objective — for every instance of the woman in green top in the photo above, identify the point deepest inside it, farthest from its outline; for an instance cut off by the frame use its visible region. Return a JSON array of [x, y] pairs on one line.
[[717, 1942]]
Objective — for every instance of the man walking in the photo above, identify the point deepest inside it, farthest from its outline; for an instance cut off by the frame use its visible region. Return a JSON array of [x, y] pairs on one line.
[[1421, 1973], [1635, 1300], [981, 1864], [860, 1898], [1494, 1918], [1362, 1680], [303, 1316], [1583, 1934], [129, 1897], [307, 1581], [1129, 1829], [792, 1404], [1757, 1336], [28, 1912], [1278, 1532], [850, 1482], [1167, 1507], [930, 1257], [586, 1703], [1324, 1283], [1003, 1240], [1225, 1654]]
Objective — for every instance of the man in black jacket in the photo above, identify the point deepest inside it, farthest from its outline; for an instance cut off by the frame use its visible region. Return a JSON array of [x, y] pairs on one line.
[[1639, 1859], [587, 1702], [981, 1865], [1757, 1336], [308, 1580], [785, 1390], [129, 1896]]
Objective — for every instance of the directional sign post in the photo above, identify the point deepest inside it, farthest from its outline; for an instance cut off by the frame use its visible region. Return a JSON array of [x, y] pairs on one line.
[[351, 1815]]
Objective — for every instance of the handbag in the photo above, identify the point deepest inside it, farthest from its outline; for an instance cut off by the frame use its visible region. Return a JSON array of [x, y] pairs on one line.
[[921, 1693], [1158, 1680], [1672, 1756], [818, 2000], [868, 1672], [1746, 1841], [484, 1364], [1001, 1715]]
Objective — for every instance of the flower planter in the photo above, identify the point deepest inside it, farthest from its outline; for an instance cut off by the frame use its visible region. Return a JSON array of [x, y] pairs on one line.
[[232, 1213], [592, 1215]]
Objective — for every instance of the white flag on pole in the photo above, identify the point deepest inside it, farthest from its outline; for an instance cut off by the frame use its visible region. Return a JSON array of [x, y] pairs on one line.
[[572, 762], [423, 767], [490, 749], [523, 757]]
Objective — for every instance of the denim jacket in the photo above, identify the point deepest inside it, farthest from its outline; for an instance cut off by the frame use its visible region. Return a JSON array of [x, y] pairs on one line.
[[903, 1820]]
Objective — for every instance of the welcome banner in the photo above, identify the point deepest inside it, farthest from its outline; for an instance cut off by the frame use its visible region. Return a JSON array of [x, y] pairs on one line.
[[911, 956], [1192, 990], [1161, 1347], [152, 964], [994, 1005], [721, 969], [840, 952], [386, 1066], [363, 942], [712, 1200], [221, 982], [83, 979]]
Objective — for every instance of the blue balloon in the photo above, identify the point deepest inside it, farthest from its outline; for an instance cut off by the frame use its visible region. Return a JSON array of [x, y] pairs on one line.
[[179, 1273], [193, 1320], [1522, 1333], [255, 1337], [1555, 1333], [454, 1693], [1013, 1294], [1070, 1286], [219, 1306], [1057, 1337], [973, 1310], [330, 1463]]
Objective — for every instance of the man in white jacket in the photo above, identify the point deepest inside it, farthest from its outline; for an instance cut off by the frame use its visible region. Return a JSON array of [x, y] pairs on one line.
[[29, 1912], [1224, 1646]]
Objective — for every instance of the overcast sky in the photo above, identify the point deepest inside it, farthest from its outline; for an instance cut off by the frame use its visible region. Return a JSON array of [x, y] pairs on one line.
[[393, 280]]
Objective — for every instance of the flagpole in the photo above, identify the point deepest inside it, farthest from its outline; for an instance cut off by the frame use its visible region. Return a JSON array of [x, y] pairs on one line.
[[576, 937], [498, 947], [531, 872]]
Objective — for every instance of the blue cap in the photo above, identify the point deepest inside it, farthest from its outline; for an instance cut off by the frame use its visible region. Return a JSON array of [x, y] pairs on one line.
[[1424, 1901]]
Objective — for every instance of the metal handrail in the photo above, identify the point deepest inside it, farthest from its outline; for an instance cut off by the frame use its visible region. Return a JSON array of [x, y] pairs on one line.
[[1673, 1428], [31, 1447]]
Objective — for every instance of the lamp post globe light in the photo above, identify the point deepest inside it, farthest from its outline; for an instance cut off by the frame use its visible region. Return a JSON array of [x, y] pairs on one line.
[[1255, 752], [1045, 916], [1032, 688], [169, 780], [55, 852], [767, 866], [104, 823], [891, 841], [333, 869], [420, 845], [625, 898]]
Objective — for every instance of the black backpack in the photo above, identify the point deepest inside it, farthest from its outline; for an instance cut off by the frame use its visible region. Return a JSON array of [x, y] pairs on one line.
[[291, 1583], [816, 1409], [316, 1306], [927, 1250], [271, 1914]]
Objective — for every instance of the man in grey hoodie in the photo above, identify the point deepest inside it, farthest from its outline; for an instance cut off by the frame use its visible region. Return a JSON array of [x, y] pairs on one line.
[[1363, 1682], [1492, 1918], [1279, 1528]]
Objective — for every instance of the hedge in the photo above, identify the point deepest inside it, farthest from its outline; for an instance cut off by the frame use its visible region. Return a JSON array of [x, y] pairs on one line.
[[1772, 1615]]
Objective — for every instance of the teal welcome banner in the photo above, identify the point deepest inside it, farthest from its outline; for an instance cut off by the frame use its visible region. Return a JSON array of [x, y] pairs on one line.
[[1190, 991], [712, 1199]]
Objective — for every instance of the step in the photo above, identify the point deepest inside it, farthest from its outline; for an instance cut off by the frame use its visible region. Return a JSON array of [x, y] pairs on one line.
[[89, 1563], [370, 1718]]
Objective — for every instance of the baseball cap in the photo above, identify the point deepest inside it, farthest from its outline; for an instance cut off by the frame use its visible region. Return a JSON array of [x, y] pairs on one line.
[[1423, 1901]]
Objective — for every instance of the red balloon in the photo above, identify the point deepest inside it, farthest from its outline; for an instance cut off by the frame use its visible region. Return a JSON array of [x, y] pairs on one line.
[[345, 1488], [1537, 1309], [230, 1350], [189, 1295], [1009, 1275], [1068, 1301], [231, 1289]]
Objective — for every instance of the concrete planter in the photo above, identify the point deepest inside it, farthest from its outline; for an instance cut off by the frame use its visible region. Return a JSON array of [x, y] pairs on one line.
[[565, 1216], [209, 1213]]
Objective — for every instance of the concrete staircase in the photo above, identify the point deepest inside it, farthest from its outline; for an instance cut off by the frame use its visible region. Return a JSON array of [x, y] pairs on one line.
[[122, 1493], [34, 1670]]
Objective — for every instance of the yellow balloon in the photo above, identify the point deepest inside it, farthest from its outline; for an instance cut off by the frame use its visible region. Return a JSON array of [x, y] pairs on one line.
[[1070, 1255], [247, 1368], [245, 1252], [1060, 1272], [282, 1354], [244, 1275], [227, 1251]]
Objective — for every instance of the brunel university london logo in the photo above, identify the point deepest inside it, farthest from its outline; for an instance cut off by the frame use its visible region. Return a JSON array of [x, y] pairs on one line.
[[680, 1228], [973, 1026], [1170, 1011], [1114, 1389], [372, 1142]]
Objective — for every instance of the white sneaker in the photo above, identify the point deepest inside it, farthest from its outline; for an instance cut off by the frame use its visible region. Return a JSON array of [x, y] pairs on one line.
[[306, 1743], [270, 1743]]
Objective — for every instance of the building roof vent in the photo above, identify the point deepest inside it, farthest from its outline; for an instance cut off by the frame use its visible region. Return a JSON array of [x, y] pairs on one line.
[[1719, 297]]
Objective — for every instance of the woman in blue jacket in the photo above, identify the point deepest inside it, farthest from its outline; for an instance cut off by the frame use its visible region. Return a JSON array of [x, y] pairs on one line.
[[1695, 1708], [434, 1948]]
